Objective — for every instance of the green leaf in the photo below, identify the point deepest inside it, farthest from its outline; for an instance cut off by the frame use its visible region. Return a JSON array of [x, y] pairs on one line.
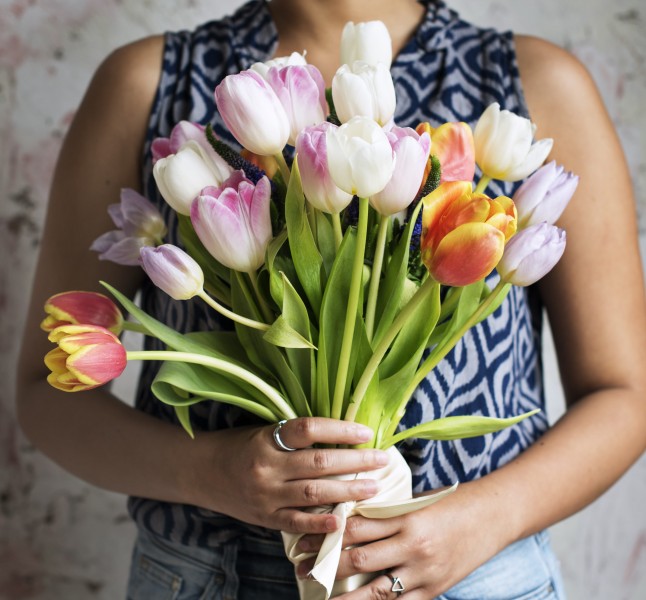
[[282, 334], [305, 254], [326, 242], [275, 276], [459, 427], [201, 383], [183, 416]]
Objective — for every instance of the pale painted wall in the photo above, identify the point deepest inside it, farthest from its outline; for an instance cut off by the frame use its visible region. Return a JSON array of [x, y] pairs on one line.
[[62, 539]]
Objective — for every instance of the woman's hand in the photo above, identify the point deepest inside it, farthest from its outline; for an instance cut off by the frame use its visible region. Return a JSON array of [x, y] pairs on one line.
[[430, 550], [255, 481]]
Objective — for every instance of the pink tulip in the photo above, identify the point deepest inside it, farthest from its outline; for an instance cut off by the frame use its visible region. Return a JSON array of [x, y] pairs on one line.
[[233, 222], [531, 254], [87, 356], [173, 271], [411, 154], [301, 91], [82, 308], [544, 196], [318, 186], [139, 224], [253, 113]]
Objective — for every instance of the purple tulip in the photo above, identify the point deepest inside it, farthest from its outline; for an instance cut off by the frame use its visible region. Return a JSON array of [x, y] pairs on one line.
[[319, 188], [253, 113], [531, 254], [139, 224], [411, 155], [233, 221], [544, 196], [173, 271], [301, 91]]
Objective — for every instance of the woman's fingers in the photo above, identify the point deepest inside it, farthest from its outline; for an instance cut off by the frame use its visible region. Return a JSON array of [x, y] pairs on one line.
[[307, 431], [358, 530], [292, 520], [321, 462], [372, 558], [318, 492]]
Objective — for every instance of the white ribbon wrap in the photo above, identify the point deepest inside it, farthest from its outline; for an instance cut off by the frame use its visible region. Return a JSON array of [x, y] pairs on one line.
[[393, 500]]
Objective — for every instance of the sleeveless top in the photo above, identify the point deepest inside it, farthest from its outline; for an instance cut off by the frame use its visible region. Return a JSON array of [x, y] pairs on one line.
[[449, 71]]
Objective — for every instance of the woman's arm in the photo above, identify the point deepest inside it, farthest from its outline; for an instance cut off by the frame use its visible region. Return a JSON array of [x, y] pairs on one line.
[[597, 309], [107, 443]]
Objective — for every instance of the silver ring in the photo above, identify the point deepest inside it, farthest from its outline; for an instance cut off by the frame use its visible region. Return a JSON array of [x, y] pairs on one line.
[[397, 586], [279, 442]]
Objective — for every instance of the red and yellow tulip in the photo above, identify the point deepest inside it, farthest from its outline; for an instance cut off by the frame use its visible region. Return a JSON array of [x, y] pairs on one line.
[[464, 234], [87, 356], [453, 145], [82, 308]]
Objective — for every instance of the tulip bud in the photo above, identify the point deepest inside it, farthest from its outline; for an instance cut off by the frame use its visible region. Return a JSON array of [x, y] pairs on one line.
[[234, 223], [253, 113], [87, 356], [543, 197], [504, 148], [301, 91], [369, 42], [173, 271], [262, 68], [82, 308], [463, 234], [411, 154], [139, 224], [531, 254], [182, 176], [361, 89], [453, 145], [318, 186], [360, 157]]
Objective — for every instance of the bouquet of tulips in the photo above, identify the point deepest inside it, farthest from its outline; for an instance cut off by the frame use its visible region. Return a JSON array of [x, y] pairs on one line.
[[348, 274]]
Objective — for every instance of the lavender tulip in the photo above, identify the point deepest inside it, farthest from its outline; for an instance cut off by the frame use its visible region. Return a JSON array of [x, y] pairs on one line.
[[411, 154], [233, 222], [253, 113], [139, 224], [318, 186], [360, 157], [173, 271], [369, 42], [182, 176], [504, 148], [364, 90], [531, 254], [301, 91], [544, 196]]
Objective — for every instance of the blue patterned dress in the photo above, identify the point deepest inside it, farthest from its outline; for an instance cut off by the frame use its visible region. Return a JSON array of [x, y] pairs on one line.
[[449, 71]]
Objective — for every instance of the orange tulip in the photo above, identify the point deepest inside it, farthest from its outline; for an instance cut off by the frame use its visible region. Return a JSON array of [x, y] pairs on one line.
[[87, 356], [82, 308], [453, 145], [464, 234]]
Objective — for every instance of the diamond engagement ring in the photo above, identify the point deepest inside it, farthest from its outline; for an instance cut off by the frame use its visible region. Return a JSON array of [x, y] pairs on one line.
[[398, 585], [279, 442]]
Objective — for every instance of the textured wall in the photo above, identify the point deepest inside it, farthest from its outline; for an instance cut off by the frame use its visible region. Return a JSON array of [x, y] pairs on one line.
[[62, 539]]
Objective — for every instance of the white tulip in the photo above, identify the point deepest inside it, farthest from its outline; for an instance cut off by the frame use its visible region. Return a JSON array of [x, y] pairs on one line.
[[182, 176], [262, 68], [361, 89], [503, 144], [360, 158], [369, 42]]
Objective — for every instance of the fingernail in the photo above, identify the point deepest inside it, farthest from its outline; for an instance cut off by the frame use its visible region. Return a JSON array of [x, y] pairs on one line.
[[304, 546], [381, 457], [331, 524], [364, 433], [370, 487]]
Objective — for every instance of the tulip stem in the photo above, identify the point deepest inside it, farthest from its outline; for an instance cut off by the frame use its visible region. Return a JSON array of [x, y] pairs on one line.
[[282, 167], [375, 276], [351, 310], [338, 232], [440, 352], [135, 327], [230, 314], [221, 366], [482, 185], [264, 307], [379, 352]]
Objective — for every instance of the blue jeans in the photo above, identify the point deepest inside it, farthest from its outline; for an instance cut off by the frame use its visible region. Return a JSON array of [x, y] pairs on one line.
[[255, 569]]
